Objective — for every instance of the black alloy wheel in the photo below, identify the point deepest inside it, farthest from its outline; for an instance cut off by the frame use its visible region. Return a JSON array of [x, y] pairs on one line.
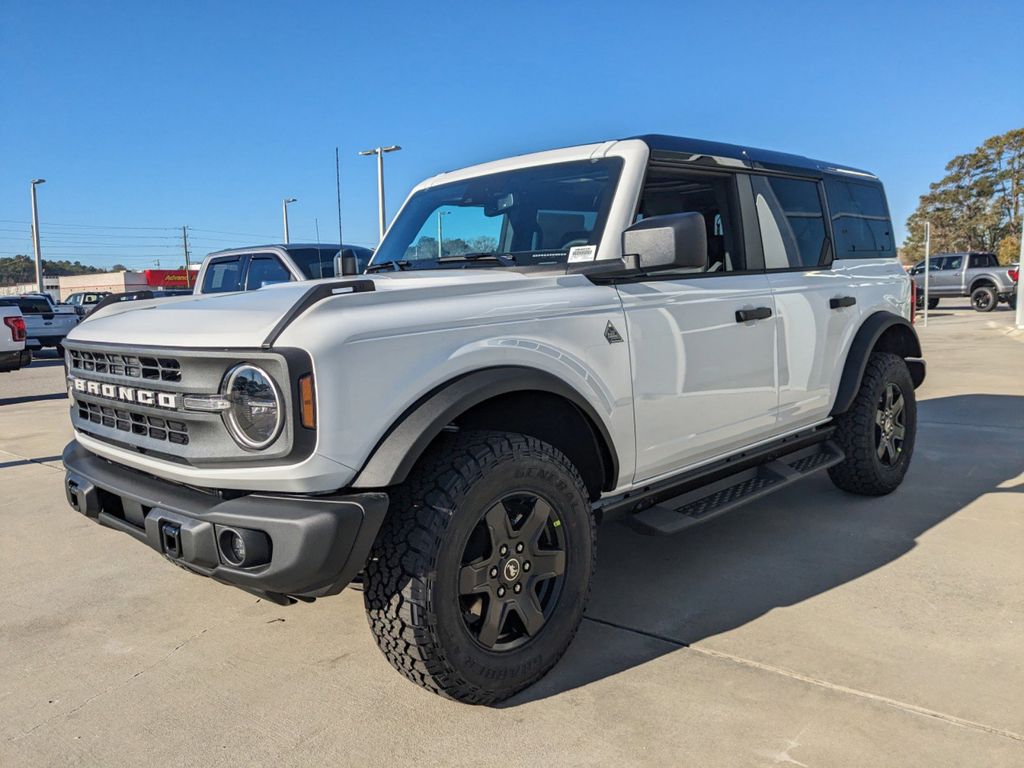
[[512, 571], [890, 427]]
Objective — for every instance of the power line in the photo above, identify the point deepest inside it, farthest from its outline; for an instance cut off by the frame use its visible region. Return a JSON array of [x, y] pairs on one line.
[[85, 226]]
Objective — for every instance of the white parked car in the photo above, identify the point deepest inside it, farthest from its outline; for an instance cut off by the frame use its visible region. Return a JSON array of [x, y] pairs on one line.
[[13, 354], [654, 329], [47, 323]]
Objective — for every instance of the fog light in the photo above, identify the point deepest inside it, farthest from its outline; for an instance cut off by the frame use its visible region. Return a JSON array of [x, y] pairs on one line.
[[243, 548]]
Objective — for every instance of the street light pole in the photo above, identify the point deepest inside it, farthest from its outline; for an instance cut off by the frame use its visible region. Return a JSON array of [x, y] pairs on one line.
[[379, 152], [35, 236], [440, 233], [284, 213], [1020, 281]]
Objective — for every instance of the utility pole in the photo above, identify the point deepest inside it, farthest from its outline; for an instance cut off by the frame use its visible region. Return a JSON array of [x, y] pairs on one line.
[[188, 264], [35, 235], [927, 264], [379, 152], [284, 212]]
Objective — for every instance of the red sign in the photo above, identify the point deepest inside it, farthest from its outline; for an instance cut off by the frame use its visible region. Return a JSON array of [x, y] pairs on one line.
[[170, 278]]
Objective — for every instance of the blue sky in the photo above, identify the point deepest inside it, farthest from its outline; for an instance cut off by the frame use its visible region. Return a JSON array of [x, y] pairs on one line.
[[146, 115]]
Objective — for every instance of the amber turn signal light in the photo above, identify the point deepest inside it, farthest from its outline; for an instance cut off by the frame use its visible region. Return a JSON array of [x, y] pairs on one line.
[[307, 401]]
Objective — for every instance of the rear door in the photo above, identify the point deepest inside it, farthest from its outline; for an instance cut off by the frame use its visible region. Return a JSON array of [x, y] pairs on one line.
[[947, 279], [702, 342], [265, 269], [814, 295], [225, 274]]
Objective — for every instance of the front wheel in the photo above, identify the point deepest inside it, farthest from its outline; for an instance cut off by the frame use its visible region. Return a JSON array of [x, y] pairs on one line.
[[877, 433], [478, 579]]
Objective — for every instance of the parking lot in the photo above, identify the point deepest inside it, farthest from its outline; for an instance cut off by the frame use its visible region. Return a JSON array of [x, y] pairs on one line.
[[810, 628]]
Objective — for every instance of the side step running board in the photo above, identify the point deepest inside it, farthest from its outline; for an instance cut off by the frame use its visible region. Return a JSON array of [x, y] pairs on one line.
[[703, 504]]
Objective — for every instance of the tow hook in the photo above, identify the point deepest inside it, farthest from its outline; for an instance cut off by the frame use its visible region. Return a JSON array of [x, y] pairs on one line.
[[170, 539]]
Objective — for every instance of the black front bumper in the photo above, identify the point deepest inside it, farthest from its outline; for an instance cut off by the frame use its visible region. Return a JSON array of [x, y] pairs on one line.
[[317, 543]]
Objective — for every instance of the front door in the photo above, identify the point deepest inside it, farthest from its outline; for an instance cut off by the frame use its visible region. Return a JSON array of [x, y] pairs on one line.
[[702, 342]]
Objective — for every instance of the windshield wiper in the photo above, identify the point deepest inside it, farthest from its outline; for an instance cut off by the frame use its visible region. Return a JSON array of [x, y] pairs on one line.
[[395, 266], [505, 259]]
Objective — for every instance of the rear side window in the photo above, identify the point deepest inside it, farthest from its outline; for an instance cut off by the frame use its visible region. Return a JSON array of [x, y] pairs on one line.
[[265, 270], [31, 306], [223, 275], [860, 220], [982, 260], [792, 223]]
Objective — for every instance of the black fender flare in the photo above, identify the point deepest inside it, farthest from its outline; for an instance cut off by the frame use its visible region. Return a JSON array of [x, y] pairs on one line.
[[405, 441], [901, 339]]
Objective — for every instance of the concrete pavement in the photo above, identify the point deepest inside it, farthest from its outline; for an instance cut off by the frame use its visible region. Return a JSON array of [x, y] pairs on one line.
[[811, 628]]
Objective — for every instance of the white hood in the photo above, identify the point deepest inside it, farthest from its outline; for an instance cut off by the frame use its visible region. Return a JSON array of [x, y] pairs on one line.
[[247, 319]]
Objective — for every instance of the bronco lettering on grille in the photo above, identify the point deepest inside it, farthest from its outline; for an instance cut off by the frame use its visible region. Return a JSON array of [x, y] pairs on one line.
[[150, 397]]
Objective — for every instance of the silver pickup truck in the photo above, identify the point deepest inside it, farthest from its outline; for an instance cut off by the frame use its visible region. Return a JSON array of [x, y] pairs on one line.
[[46, 323], [977, 275]]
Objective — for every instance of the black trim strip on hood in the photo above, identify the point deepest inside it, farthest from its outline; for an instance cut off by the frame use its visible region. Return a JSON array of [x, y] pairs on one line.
[[312, 296]]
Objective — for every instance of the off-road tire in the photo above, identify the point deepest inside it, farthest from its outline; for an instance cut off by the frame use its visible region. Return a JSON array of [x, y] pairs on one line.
[[933, 303], [411, 581], [862, 471], [984, 298], [1011, 301]]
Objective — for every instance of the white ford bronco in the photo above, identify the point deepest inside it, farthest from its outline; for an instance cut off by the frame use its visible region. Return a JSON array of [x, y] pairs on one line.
[[654, 330]]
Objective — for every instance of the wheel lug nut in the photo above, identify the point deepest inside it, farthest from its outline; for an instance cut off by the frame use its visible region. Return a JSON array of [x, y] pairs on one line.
[[494, 572], [526, 565], [517, 588], [503, 549], [519, 547], [501, 591]]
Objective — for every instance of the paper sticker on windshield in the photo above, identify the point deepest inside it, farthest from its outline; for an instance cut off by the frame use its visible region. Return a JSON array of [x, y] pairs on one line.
[[582, 253]]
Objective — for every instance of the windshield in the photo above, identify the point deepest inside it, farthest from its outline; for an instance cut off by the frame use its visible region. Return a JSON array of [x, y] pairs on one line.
[[319, 262], [525, 217]]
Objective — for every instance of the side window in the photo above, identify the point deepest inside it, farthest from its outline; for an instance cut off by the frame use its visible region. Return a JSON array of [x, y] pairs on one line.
[[981, 260], [223, 275], [953, 263], [714, 197], [791, 220], [860, 220], [265, 270]]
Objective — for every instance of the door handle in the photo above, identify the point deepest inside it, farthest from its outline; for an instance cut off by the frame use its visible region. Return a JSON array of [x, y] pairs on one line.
[[746, 315], [842, 301]]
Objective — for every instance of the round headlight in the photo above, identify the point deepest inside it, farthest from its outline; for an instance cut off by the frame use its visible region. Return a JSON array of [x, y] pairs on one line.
[[256, 413]]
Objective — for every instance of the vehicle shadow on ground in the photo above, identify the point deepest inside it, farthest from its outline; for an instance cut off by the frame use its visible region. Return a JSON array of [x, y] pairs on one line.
[[32, 398], [782, 550]]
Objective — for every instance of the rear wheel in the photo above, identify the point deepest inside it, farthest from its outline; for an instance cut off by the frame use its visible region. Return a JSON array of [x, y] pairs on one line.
[[479, 577], [984, 298], [877, 433]]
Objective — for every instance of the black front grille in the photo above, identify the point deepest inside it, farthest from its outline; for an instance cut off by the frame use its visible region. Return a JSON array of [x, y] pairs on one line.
[[136, 423], [132, 366]]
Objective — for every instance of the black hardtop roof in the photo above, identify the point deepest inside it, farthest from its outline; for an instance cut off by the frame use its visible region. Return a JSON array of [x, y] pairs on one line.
[[752, 157]]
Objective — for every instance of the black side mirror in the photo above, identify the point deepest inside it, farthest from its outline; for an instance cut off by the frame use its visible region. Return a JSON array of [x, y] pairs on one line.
[[673, 241], [346, 263]]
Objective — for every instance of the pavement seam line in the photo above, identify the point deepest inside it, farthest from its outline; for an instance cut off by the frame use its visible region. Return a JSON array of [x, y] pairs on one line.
[[30, 460], [890, 702], [108, 689]]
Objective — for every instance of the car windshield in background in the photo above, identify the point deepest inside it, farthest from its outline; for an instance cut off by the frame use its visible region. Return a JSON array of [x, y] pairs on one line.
[[525, 217], [319, 262]]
